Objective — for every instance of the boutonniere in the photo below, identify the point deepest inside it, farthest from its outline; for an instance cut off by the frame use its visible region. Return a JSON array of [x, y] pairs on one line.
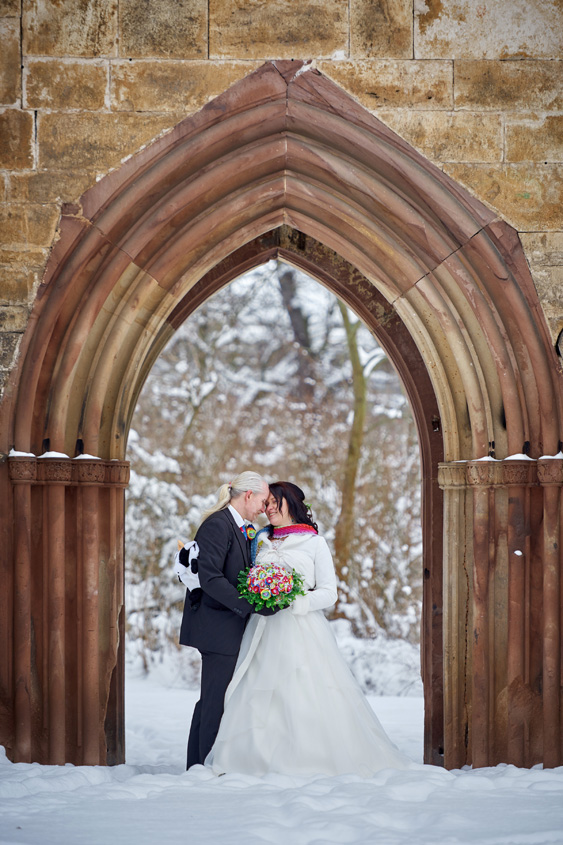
[[250, 532]]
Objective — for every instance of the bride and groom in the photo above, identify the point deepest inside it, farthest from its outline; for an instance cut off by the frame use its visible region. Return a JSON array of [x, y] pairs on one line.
[[276, 694]]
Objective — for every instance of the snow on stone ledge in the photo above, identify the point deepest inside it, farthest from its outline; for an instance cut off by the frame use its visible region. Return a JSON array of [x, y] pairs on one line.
[[53, 455], [87, 458], [519, 458], [13, 454]]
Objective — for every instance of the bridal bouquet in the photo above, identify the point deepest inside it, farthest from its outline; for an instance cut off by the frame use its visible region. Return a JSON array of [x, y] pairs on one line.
[[270, 585]]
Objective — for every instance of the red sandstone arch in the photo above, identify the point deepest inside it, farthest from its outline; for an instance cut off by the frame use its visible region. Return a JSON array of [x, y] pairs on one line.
[[285, 163]]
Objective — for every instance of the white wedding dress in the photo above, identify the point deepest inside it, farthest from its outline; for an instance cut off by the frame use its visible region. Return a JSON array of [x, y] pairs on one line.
[[293, 706]]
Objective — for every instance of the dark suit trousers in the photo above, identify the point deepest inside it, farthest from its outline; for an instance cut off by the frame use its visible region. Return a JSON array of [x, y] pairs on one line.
[[216, 673]]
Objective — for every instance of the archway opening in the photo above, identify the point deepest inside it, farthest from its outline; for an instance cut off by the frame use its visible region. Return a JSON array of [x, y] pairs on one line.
[[276, 373], [297, 250]]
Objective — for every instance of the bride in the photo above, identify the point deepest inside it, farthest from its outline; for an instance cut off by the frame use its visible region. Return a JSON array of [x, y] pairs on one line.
[[293, 706]]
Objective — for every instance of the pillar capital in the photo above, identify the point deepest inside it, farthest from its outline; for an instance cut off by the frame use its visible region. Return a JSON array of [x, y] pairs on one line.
[[483, 473], [550, 472], [451, 475], [518, 472], [28, 469], [22, 469]]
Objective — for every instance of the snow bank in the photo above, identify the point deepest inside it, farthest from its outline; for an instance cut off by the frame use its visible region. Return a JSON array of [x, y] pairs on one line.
[[152, 798]]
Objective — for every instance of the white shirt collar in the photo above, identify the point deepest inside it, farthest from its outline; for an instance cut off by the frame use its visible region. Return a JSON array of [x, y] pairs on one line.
[[236, 516]]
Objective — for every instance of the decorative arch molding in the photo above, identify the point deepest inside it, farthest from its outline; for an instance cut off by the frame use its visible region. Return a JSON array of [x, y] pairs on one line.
[[286, 163]]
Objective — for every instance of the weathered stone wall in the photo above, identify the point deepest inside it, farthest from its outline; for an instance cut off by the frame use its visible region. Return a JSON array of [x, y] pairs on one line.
[[476, 87]]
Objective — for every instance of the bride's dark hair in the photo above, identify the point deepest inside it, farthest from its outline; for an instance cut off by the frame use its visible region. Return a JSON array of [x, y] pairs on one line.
[[295, 499]]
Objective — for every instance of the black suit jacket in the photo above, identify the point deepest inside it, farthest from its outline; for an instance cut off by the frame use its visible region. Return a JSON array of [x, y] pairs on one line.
[[217, 622]]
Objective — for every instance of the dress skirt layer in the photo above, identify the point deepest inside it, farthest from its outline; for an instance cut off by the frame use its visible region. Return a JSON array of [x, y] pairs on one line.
[[294, 707]]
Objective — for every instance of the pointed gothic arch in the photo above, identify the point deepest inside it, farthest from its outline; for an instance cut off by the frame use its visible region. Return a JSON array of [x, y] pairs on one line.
[[285, 163]]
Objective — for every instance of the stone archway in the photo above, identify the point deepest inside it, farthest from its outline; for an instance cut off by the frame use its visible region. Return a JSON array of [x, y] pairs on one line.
[[285, 163]]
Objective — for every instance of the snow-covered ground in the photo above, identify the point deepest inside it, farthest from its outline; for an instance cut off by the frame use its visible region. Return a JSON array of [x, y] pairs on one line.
[[152, 799]]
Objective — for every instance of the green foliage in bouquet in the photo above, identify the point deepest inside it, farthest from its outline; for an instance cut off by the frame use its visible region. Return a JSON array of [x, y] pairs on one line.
[[269, 585]]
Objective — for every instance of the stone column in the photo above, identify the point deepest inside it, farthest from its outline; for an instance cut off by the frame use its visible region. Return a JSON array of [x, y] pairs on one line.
[[503, 681], [482, 476], [550, 477], [518, 476], [452, 480], [68, 622], [55, 475], [23, 472]]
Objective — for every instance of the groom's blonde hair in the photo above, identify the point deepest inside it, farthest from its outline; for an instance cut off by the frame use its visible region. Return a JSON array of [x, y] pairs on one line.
[[247, 480]]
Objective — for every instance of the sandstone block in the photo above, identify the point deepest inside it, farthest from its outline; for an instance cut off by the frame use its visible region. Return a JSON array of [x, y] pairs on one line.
[[170, 86], [65, 85], [381, 28], [446, 136], [540, 140], [10, 8], [529, 197], [385, 83], [543, 248], [96, 140], [16, 139], [503, 29], [283, 29], [17, 285], [168, 28], [549, 285], [70, 27], [9, 343], [13, 318], [20, 273], [48, 186], [26, 224], [508, 86], [10, 71]]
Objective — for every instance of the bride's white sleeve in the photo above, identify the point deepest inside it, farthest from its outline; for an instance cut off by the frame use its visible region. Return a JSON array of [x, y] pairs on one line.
[[324, 594]]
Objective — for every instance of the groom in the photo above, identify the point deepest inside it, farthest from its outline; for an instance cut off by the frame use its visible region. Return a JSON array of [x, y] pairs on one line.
[[214, 624]]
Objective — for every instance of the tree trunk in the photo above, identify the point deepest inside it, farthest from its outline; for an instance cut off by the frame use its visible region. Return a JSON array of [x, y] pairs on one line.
[[344, 531], [300, 327]]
